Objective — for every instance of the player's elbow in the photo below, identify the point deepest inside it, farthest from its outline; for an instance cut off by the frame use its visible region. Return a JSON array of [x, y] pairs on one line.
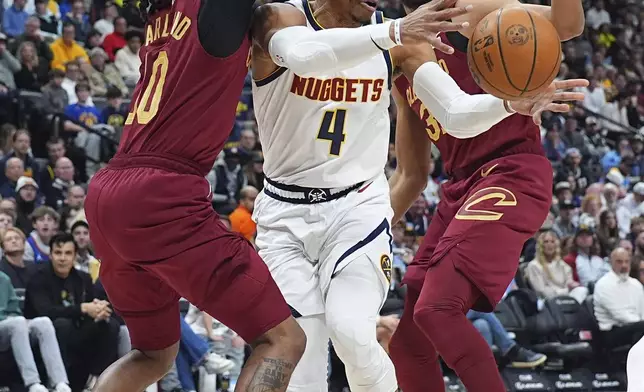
[[570, 32]]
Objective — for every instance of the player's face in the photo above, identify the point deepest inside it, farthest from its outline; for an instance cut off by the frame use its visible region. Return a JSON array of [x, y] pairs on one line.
[[62, 258], [359, 10]]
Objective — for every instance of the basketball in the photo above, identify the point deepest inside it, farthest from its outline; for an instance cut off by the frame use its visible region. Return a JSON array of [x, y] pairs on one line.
[[514, 53]]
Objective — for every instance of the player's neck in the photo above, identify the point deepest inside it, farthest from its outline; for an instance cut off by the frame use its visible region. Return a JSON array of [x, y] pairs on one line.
[[329, 17]]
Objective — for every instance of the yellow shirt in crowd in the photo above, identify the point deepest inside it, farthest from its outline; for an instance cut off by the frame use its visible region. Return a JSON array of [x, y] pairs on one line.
[[64, 53]]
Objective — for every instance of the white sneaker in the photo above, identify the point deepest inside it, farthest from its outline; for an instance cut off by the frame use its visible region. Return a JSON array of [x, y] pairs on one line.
[[215, 363], [62, 387], [38, 388]]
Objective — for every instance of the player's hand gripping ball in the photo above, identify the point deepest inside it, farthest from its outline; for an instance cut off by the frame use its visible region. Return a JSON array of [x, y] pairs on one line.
[[514, 53]]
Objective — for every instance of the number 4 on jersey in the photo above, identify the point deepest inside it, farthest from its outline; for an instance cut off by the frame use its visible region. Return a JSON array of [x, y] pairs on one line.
[[332, 129]]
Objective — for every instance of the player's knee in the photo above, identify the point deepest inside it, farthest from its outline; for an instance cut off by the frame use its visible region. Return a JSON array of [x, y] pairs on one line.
[[432, 317], [162, 360], [353, 335], [288, 335]]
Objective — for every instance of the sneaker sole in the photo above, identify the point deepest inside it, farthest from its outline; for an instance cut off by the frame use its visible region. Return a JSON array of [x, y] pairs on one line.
[[529, 365]]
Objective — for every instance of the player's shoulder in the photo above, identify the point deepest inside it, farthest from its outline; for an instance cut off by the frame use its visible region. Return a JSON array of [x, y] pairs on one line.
[[272, 15]]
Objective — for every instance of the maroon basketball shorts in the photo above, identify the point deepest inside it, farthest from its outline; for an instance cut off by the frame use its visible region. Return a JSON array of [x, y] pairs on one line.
[[158, 239], [483, 221]]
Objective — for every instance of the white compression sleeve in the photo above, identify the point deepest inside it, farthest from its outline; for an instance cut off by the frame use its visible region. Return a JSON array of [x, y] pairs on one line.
[[461, 115], [307, 52]]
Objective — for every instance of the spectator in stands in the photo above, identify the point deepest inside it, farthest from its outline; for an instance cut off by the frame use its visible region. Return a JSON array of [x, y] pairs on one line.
[[102, 75], [8, 66], [85, 261], [66, 49], [21, 148], [610, 197], [87, 334], [33, 34], [26, 202], [9, 205], [73, 208], [13, 263], [79, 18], [254, 170], [228, 180], [495, 333], [554, 147], [14, 18], [619, 303], [607, 232], [14, 169], [127, 59], [590, 267], [240, 219], [49, 22], [45, 221], [34, 71], [94, 40], [7, 219], [628, 208], [55, 151], [416, 217], [572, 171], [81, 112], [105, 25], [549, 275], [116, 40], [73, 76], [591, 208], [572, 138], [597, 15], [15, 333], [115, 113], [56, 194], [55, 98], [564, 226]]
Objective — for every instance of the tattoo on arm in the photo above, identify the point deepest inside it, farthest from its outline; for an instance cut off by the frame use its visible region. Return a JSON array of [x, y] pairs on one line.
[[272, 375]]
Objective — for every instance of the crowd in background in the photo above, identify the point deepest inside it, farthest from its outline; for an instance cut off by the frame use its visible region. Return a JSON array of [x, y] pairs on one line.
[[67, 70]]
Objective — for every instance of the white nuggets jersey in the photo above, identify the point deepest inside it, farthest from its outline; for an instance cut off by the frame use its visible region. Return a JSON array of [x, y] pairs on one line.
[[328, 131]]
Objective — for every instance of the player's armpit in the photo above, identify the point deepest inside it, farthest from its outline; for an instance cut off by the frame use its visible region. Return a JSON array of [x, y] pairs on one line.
[[223, 25], [413, 155]]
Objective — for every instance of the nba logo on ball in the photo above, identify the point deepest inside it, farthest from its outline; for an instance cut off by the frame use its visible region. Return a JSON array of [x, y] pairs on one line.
[[385, 265]]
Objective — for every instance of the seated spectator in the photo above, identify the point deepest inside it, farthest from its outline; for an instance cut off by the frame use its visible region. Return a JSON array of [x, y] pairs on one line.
[[49, 21], [114, 41], [9, 65], [94, 40], [26, 202], [16, 333], [21, 148], [66, 50], [87, 334], [607, 232], [115, 112], [549, 275], [7, 219], [81, 112], [56, 194], [227, 181], [14, 18], [127, 59], [45, 222], [494, 333], [55, 98], [13, 262], [564, 225], [85, 261], [13, 170], [79, 18], [34, 71], [102, 76], [241, 218], [105, 25], [33, 34], [73, 208], [73, 75], [590, 267], [619, 303]]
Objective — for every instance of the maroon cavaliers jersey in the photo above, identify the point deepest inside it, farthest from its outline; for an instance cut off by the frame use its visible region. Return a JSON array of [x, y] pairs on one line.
[[185, 101], [515, 134]]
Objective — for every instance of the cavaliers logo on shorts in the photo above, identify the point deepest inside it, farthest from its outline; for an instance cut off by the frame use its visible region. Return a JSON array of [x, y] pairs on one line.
[[385, 265]]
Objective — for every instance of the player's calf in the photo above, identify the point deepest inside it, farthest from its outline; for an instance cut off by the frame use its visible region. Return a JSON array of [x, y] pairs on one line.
[[275, 354]]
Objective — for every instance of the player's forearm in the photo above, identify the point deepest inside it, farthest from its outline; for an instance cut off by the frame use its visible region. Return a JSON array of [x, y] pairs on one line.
[[403, 191], [461, 115], [568, 18], [307, 52]]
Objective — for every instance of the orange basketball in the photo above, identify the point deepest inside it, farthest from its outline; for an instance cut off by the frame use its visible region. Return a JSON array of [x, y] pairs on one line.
[[514, 53]]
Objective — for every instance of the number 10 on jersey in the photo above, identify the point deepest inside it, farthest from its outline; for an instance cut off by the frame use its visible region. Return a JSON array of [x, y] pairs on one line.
[[332, 129], [147, 104]]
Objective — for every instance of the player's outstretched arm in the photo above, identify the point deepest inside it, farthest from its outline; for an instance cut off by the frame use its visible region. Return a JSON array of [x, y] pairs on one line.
[[566, 15], [280, 31], [413, 153], [223, 25]]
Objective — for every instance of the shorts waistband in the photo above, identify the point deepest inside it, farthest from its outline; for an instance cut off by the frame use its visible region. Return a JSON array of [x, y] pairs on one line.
[[295, 194], [167, 162], [467, 171]]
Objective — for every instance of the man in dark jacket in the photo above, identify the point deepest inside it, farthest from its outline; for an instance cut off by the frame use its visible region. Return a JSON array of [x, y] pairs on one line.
[[87, 334]]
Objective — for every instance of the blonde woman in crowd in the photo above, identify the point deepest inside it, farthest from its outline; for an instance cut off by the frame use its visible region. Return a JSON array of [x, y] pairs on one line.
[[591, 205], [549, 275]]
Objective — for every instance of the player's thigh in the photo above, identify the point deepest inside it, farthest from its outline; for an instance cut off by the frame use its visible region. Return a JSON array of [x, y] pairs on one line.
[[226, 278]]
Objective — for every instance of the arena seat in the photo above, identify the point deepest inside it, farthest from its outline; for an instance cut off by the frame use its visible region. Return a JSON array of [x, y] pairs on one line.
[[602, 351]]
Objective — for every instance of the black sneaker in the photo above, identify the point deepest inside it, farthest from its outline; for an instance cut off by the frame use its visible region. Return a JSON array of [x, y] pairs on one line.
[[525, 359]]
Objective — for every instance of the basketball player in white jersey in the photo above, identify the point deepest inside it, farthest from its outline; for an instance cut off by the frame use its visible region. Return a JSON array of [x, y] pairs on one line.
[[321, 99]]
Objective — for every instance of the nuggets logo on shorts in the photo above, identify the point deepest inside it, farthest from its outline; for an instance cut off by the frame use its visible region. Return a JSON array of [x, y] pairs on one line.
[[385, 265]]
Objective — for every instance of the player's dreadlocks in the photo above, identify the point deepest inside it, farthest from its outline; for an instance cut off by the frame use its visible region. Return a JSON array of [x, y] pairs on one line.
[[148, 7]]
